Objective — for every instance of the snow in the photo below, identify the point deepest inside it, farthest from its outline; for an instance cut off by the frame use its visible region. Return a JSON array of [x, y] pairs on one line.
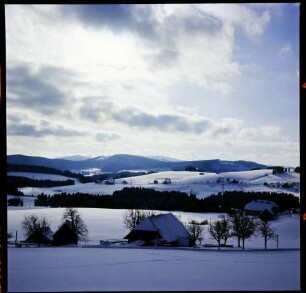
[[120, 267], [123, 269], [190, 182], [96, 267]]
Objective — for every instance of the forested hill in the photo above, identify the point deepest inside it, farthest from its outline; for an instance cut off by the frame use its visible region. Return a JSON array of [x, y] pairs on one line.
[[121, 162], [46, 170]]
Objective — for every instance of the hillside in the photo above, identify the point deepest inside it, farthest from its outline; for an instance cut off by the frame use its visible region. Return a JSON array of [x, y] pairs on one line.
[[199, 183], [121, 162]]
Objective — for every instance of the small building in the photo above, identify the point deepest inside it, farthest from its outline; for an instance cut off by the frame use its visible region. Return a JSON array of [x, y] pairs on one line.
[[41, 237], [164, 228], [259, 207], [65, 235]]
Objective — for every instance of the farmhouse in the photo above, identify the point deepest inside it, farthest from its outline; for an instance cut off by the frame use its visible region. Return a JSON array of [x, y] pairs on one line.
[[41, 237], [259, 207], [64, 235], [164, 228]]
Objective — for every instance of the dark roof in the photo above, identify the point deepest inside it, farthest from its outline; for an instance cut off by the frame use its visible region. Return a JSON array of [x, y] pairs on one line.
[[41, 236], [65, 235]]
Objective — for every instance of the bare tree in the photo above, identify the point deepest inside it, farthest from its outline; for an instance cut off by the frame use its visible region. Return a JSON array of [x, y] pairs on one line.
[[216, 232], [221, 230], [133, 217], [265, 230], [247, 228], [72, 217], [32, 223], [195, 229], [235, 219], [226, 225]]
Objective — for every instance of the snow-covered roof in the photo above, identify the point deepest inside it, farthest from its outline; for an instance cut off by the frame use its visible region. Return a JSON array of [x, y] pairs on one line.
[[168, 226], [260, 205]]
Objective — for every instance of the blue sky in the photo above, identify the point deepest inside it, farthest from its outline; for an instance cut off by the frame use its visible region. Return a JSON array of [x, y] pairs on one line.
[[190, 81]]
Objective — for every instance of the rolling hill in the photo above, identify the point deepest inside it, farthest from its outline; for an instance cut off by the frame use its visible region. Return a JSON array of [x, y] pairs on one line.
[[121, 162]]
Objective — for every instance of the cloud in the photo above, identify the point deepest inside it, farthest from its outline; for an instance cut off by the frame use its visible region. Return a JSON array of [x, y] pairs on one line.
[[285, 50], [25, 129], [30, 90], [93, 108], [118, 17], [150, 22], [105, 137]]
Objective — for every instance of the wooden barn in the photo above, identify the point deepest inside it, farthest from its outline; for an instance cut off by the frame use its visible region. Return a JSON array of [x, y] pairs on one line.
[[41, 237], [258, 207], [164, 228], [64, 235]]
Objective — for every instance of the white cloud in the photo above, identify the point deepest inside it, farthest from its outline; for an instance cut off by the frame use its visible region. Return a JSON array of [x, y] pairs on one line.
[[114, 79], [285, 50]]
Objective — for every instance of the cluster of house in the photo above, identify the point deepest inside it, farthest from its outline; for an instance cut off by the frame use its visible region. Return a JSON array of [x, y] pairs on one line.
[[164, 229]]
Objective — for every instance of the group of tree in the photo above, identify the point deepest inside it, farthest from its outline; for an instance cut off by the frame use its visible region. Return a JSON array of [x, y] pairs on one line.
[[15, 201], [47, 170], [34, 224], [132, 217], [150, 199], [19, 182], [233, 225]]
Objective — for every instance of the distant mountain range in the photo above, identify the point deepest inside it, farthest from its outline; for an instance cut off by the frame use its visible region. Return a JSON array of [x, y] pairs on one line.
[[122, 162]]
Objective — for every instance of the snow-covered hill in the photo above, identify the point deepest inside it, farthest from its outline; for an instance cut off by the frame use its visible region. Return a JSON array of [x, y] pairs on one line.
[[200, 183]]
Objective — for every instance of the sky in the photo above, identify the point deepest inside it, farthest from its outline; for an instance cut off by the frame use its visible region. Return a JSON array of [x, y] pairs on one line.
[[187, 81]]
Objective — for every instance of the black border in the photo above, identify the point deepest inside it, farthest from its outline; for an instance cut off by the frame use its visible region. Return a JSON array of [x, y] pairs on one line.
[[3, 204]]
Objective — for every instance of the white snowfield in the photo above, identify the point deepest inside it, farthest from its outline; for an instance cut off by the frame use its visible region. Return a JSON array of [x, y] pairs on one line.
[[123, 269], [200, 183], [95, 267]]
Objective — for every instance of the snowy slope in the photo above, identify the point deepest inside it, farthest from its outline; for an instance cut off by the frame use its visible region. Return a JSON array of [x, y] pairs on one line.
[[201, 184]]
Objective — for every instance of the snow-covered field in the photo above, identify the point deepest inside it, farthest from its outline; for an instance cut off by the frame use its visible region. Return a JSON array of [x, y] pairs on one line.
[[201, 185], [93, 267], [123, 268]]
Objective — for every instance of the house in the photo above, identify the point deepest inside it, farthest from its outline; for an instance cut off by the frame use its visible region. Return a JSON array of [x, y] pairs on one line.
[[65, 235], [41, 237], [261, 207], [164, 228]]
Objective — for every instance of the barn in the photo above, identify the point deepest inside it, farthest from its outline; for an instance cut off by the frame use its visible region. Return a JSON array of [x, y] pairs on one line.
[[164, 228], [258, 207], [64, 235], [41, 237]]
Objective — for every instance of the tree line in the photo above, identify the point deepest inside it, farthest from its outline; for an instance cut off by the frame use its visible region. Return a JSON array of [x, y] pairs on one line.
[[150, 199], [14, 182], [46, 170]]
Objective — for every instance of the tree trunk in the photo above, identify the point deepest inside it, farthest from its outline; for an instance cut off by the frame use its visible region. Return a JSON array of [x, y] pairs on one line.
[[265, 242], [242, 243]]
